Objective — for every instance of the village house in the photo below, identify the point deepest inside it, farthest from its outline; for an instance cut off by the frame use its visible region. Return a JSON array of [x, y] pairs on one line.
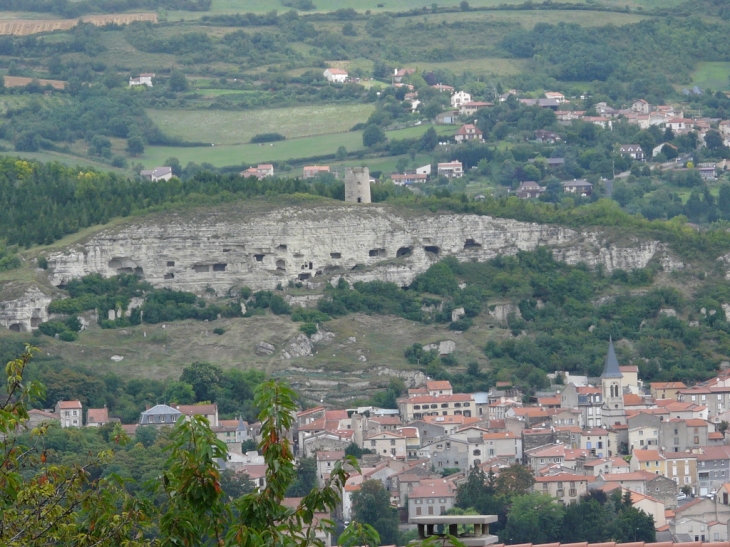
[[679, 125], [387, 444], [632, 150], [648, 460], [529, 189], [69, 412], [547, 136], [311, 171], [159, 416], [447, 118], [326, 460], [262, 171], [419, 406], [601, 121], [643, 482], [400, 73], [682, 468], [666, 390], [208, 411], [470, 108], [158, 173], [564, 487], [468, 132], [451, 170], [37, 417], [446, 453], [587, 399], [500, 444], [144, 79], [405, 179], [459, 98], [713, 468], [336, 75], [641, 106], [699, 518], [555, 96], [96, 417], [596, 441], [708, 171], [431, 497], [232, 432], [443, 88], [580, 187]]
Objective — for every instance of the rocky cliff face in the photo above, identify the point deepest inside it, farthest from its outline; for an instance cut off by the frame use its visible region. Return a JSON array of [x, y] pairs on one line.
[[224, 249], [25, 312]]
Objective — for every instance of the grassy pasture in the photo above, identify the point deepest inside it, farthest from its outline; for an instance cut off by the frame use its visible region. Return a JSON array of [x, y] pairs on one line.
[[263, 6], [290, 149], [715, 76], [237, 127]]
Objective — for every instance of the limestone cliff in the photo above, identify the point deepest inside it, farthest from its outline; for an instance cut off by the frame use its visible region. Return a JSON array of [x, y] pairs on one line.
[[228, 247], [24, 310]]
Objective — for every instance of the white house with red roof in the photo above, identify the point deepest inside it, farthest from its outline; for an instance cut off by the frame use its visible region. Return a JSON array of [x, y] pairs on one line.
[[336, 75], [69, 412], [468, 132], [261, 171], [326, 461]]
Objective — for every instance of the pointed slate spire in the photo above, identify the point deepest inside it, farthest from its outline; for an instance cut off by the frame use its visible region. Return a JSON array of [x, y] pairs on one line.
[[611, 368]]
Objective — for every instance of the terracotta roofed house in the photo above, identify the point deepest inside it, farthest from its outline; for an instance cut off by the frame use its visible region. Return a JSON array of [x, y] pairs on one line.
[[336, 75], [262, 171], [210, 411], [431, 497], [96, 417], [314, 170], [468, 132], [69, 412]]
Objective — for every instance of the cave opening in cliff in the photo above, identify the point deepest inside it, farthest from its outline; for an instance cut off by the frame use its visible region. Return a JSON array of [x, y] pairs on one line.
[[471, 244], [335, 255], [259, 258], [221, 267], [432, 249], [377, 252], [139, 272], [304, 276], [281, 265], [16, 327], [35, 321], [170, 263], [170, 276], [281, 247], [403, 251]]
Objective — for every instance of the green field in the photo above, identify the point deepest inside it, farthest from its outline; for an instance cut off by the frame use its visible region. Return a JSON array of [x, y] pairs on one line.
[[237, 127], [715, 76], [303, 147], [263, 6]]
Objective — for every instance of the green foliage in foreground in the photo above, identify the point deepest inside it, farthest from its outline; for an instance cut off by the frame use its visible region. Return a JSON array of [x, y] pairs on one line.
[[45, 503]]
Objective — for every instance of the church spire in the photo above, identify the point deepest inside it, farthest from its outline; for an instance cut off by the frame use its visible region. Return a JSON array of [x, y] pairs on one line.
[[611, 368]]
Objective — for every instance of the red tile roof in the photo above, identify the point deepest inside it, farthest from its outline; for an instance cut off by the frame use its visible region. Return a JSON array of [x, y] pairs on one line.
[[435, 385], [97, 416], [63, 405]]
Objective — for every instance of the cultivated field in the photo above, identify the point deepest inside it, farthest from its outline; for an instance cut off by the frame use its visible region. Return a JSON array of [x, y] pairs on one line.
[[20, 81], [23, 27], [263, 6], [237, 127], [303, 147]]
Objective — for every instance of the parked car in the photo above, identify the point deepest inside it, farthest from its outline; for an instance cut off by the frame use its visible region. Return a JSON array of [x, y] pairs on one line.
[[681, 496]]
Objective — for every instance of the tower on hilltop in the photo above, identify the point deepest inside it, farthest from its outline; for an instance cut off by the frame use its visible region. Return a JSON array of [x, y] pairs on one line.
[[613, 392], [357, 184]]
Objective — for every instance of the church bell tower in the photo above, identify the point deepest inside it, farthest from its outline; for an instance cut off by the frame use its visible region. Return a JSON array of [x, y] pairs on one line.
[[613, 392]]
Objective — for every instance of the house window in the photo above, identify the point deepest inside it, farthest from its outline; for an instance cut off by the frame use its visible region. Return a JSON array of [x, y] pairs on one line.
[[418, 510], [430, 510]]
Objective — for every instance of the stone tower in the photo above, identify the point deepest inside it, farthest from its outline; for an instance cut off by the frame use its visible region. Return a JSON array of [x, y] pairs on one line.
[[357, 184], [613, 392]]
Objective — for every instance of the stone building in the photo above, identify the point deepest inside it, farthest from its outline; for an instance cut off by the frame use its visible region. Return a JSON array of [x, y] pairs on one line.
[[357, 184]]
